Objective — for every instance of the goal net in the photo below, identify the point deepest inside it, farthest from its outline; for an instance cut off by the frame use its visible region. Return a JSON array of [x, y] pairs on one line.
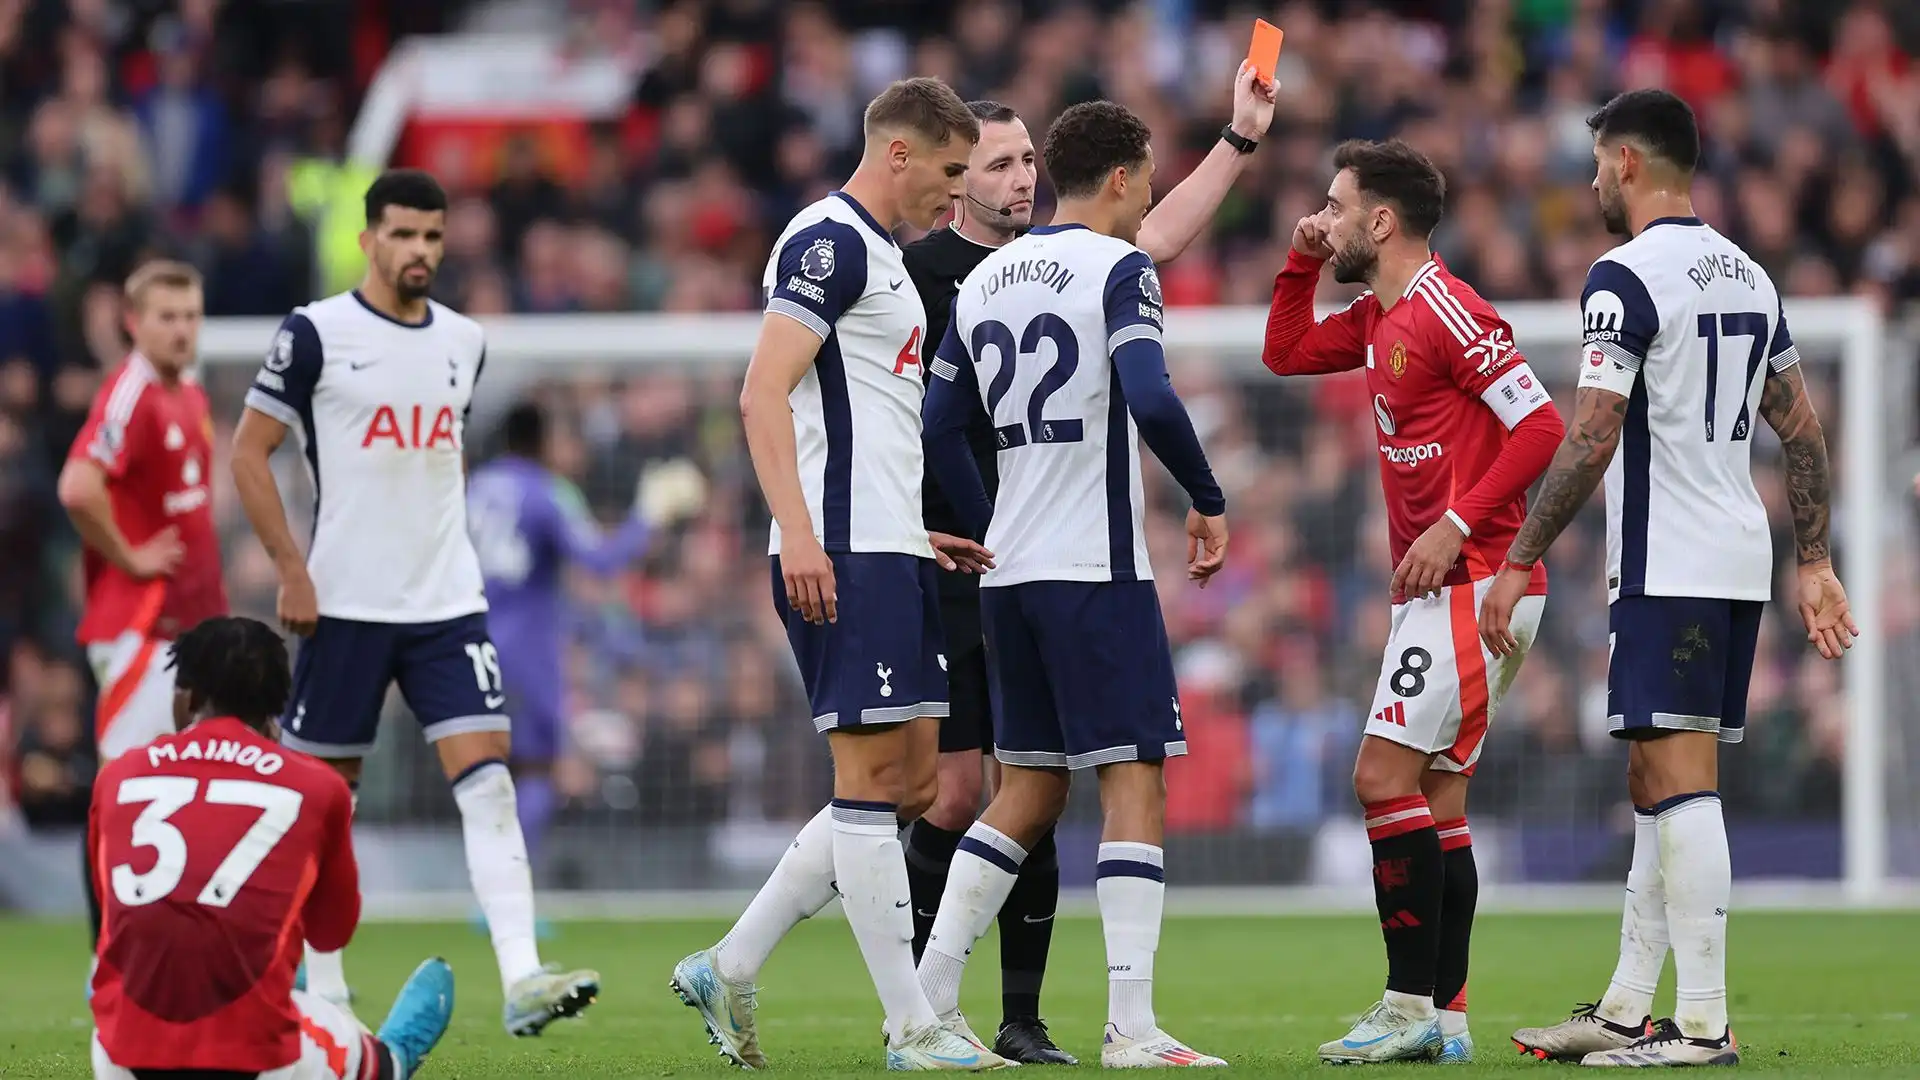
[[690, 761]]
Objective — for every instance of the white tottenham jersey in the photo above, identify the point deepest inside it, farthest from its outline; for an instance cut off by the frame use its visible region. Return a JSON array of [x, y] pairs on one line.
[[856, 412], [379, 409], [1039, 320], [1686, 326]]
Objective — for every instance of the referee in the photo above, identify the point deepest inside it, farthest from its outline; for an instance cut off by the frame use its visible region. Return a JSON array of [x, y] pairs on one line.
[[998, 206]]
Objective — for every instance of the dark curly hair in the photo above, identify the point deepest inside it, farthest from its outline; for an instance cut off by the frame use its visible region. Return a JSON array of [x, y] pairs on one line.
[[411, 189], [1088, 142], [1395, 173], [235, 666]]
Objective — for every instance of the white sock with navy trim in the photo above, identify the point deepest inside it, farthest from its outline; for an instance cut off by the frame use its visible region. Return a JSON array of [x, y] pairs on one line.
[[1132, 892], [1698, 874], [871, 867], [985, 865], [800, 885], [497, 866], [1643, 929]]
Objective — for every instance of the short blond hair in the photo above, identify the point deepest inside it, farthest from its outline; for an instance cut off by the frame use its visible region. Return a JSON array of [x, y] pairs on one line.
[[161, 273], [926, 107]]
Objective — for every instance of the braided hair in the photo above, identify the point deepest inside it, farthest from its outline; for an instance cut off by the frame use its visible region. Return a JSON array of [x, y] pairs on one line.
[[234, 667]]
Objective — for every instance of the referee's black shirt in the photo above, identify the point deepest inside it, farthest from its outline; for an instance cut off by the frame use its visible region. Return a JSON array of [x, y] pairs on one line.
[[937, 263]]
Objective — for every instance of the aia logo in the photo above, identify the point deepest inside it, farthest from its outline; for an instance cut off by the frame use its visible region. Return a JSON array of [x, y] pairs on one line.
[[909, 356], [411, 429]]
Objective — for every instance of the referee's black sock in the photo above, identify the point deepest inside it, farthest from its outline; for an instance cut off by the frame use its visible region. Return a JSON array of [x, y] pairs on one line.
[[1026, 930], [929, 855]]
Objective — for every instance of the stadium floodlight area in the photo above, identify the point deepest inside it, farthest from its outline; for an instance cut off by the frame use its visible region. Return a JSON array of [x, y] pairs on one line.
[[1846, 343]]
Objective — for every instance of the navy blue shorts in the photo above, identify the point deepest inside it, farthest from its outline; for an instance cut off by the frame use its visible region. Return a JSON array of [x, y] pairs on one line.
[[883, 661], [1680, 663], [1080, 673], [448, 672]]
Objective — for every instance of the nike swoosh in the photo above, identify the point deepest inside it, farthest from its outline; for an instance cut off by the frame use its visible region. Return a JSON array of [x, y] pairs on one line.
[[902, 903], [1351, 1045], [1031, 919], [356, 365], [894, 284], [925, 914], [970, 1059], [494, 701]]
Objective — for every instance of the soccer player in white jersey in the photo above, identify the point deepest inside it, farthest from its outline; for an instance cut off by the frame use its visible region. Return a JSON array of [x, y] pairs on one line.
[[832, 413], [1056, 338], [1686, 342], [375, 384]]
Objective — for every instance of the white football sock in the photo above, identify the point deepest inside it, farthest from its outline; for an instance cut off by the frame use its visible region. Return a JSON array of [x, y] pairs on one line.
[[327, 971], [800, 885], [1132, 892], [1698, 874], [498, 868], [1453, 1022], [984, 868], [327, 974], [872, 869], [1643, 930]]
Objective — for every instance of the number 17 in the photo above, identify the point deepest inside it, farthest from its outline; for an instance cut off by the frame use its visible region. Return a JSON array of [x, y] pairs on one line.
[[1748, 324]]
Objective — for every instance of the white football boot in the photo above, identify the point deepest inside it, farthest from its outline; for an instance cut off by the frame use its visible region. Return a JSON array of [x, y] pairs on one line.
[[1154, 1050], [1385, 1034], [1585, 1032], [1668, 1047]]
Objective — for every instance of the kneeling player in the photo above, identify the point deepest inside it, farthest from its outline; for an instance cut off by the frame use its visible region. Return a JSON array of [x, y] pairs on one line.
[[1077, 655], [1464, 428], [216, 852]]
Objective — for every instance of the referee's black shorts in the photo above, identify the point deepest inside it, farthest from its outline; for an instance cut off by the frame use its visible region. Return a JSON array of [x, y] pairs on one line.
[[969, 722]]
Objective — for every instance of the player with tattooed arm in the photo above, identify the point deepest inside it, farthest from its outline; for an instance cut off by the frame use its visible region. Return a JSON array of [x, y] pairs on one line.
[[1685, 342]]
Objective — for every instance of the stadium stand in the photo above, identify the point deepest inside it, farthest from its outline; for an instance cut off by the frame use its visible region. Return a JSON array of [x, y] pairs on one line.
[[217, 133]]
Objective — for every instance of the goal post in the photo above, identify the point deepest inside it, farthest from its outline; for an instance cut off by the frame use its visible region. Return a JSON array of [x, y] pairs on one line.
[[1847, 337]]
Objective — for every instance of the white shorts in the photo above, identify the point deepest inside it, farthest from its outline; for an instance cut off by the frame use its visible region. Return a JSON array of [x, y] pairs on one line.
[[1439, 686], [132, 715], [332, 1046]]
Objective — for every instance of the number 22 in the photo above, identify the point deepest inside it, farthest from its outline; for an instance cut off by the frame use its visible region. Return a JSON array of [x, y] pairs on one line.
[[1045, 326]]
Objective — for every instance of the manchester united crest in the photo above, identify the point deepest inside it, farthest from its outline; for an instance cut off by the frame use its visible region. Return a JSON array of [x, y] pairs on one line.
[[1397, 359]]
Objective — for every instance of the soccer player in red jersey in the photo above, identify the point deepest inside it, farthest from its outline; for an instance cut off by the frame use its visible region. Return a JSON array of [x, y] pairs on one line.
[[216, 853], [1465, 426], [135, 485]]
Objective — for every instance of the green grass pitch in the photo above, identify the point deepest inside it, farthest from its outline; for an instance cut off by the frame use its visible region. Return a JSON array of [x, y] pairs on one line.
[[1814, 995]]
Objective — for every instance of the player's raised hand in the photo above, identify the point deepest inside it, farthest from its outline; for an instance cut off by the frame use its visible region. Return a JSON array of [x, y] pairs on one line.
[[297, 606], [959, 553], [1423, 570], [1252, 102], [158, 556], [1310, 238], [1824, 610], [1206, 546], [808, 573], [1496, 611]]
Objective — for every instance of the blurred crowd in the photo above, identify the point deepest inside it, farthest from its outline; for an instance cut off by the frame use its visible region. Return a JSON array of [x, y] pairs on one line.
[[123, 132]]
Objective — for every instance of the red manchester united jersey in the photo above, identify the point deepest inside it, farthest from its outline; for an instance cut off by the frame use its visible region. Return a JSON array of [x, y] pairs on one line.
[[215, 854], [155, 442], [1448, 384]]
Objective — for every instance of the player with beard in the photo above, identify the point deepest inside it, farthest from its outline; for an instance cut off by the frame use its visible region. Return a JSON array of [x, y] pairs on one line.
[[377, 383], [997, 207], [1464, 428]]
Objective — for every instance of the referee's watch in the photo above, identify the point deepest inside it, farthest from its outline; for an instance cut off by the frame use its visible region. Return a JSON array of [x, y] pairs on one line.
[[1238, 141]]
